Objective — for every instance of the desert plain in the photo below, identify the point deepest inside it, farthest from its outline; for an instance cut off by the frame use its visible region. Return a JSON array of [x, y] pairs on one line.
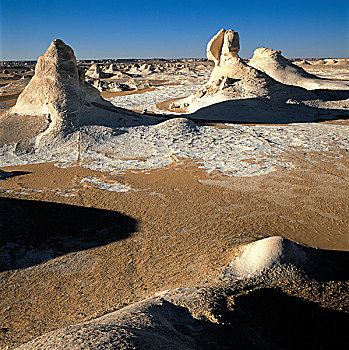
[[174, 204]]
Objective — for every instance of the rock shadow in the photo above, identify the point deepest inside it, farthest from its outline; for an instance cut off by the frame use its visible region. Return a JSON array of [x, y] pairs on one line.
[[287, 321], [265, 319], [14, 174], [32, 232], [278, 110]]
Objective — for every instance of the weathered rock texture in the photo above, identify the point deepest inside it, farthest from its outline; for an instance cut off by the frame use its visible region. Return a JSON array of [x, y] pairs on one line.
[[214, 47], [281, 69], [57, 89], [57, 100]]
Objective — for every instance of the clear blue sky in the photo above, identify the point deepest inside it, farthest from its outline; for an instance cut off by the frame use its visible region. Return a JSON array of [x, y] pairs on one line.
[[122, 29]]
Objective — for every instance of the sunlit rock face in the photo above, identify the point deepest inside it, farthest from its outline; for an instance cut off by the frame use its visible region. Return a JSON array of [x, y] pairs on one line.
[[273, 63], [57, 89]]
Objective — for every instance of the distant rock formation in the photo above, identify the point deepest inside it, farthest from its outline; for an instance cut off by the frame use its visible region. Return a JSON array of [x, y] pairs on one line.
[[319, 62], [331, 61], [16, 85], [281, 69], [112, 68], [95, 72]]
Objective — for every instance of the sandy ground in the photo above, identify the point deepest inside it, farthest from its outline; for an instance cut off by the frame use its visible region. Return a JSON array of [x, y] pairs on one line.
[[8, 100], [182, 226], [74, 252]]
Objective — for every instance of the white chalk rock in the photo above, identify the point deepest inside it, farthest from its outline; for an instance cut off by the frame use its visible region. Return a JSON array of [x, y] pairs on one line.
[[237, 91], [281, 69], [57, 88], [231, 45], [261, 255], [214, 47]]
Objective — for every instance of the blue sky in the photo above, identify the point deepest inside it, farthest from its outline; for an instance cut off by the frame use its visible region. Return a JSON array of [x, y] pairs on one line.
[[123, 29]]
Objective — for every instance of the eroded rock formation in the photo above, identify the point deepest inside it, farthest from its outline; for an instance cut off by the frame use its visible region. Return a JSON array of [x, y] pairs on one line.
[[238, 91], [273, 63], [57, 100], [57, 89]]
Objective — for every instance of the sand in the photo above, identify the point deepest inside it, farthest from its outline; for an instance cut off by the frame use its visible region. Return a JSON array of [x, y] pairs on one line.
[[8, 100], [185, 225]]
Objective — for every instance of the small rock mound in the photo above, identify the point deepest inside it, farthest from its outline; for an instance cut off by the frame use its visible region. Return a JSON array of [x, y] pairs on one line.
[[259, 256], [319, 62], [264, 254], [176, 126], [330, 61], [303, 62]]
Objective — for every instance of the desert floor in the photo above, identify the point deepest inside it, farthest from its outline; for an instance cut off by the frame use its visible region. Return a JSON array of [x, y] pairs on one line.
[[79, 251]]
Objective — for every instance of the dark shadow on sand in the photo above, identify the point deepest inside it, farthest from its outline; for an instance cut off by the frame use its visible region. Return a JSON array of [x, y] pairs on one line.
[[15, 173], [273, 111], [32, 232], [288, 321]]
